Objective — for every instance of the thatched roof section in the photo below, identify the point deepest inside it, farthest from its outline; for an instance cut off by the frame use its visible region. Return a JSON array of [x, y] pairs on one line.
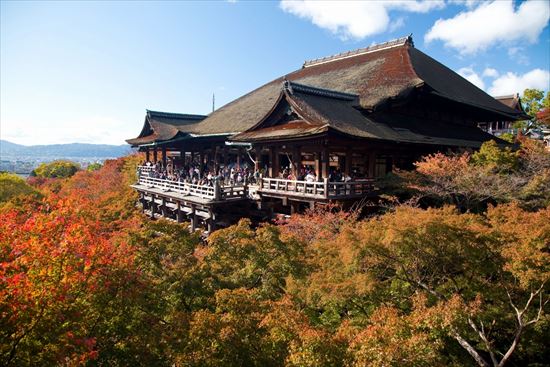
[[390, 71], [162, 126], [322, 110]]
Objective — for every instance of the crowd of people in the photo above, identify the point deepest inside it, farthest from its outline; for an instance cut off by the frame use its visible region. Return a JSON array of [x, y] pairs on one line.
[[197, 175], [231, 174]]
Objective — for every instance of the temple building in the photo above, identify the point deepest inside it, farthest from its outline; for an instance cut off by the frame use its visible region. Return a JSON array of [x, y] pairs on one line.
[[323, 133], [498, 128]]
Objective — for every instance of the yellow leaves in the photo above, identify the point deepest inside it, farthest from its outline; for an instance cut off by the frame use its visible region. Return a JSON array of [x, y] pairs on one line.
[[392, 339], [526, 242]]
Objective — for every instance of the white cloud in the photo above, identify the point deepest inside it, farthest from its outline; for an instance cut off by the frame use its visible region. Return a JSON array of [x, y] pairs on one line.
[[491, 23], [467, 3], [396, 24], [355, 19], [510, 83], [473, 77], [518, 54], [490, 73]]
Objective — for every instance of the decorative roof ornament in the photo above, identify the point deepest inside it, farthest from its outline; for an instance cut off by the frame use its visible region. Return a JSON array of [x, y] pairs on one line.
[[361, 51]]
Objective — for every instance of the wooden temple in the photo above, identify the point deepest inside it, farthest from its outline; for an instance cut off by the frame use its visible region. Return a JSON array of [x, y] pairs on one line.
[[323, 133]]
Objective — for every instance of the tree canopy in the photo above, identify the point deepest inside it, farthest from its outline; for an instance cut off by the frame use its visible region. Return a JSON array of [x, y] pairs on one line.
[[56, 169], [86, 279]]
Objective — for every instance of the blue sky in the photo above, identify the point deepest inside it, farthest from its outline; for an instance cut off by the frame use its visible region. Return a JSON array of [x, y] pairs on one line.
[[86, 71]]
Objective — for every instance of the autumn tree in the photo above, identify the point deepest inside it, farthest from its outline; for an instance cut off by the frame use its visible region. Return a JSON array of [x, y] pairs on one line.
[[56, 169], [12, 186], [498, 276], [491, 175]]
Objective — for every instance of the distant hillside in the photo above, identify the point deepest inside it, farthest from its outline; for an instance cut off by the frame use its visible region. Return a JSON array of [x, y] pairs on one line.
[[63, 150]]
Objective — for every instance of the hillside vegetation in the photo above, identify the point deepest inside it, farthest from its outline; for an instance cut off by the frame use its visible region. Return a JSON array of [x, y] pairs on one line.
[[86, 279]]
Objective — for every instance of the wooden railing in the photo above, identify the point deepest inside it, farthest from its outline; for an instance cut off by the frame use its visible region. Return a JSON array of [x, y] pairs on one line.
[[215, 192], [318, 189]]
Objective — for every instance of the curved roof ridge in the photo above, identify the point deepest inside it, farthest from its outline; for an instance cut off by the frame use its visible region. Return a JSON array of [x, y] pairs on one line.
[[303, 88], [174, 115], [360, 51]]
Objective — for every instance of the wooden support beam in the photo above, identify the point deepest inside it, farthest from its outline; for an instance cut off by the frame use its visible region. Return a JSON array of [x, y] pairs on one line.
[[147, 155], [153, 206], [210, 221], [347, 167], [225, 156], [155, 157], [276, 162], [164, 157], [163, 207], [324, 163], [193, 219], [257, 156], [372, 162], [317, 165], [238, 158], [296, 160], [179, 214]]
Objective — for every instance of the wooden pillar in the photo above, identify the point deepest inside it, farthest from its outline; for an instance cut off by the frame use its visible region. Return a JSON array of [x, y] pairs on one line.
[[193, 219], [216, 165], [153, 206], [155, 157], [372, 162], [347, 167], [163, 207], [257, 154], [164, 157], [324, 163], [238, 158], [273, 160], [179, 215], [210, 221], [192, 158], [147, 157], [317, 165], [201, 159], [296, 160], [225, 156]]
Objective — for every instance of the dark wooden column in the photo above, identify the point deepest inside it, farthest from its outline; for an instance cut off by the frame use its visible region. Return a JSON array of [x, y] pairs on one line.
[[164, 157], [296, 160], [271, 162], [317, 165], [372, 162], [276, 163], [347, 167], [155, 157], [258, 155], [147, 157], [201, 159], [324, 162], [238, 157], [225, 156]]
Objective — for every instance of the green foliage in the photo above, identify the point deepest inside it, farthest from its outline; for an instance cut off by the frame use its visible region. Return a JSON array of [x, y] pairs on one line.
[[94, 166], [86, 279], [509, 137], [532, 100], [536, 102], [56, 169], [491, 175], [494, 157], [12, 186]]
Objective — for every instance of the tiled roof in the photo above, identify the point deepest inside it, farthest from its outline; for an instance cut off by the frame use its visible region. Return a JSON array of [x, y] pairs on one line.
[[161, 126], [369, 76]]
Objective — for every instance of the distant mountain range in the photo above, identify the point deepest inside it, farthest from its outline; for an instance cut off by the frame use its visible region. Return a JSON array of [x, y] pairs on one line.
[[76, 150]]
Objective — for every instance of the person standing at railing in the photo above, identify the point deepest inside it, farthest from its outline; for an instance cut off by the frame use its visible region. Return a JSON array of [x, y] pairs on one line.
[[310, 177]]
